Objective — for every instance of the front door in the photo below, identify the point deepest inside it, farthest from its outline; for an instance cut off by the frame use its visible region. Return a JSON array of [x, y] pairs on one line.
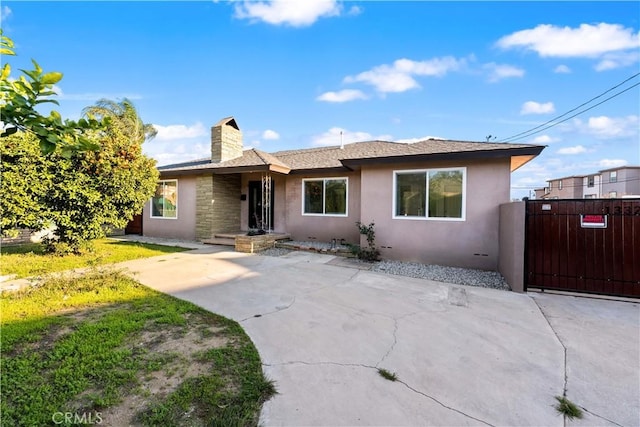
[[256, 208]]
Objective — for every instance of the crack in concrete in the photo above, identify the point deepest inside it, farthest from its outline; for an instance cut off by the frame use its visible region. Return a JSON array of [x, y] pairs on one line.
[[564, 351], [277, 310], [361, 365], [442, 404], [600, 416], [395, 341]]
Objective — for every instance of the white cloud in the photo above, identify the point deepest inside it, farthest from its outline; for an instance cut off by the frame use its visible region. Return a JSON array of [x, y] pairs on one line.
[[399, 76], [562, 69], [532, 107], [342, 96], [544, 139], [572, 150], [354, 10], [604, 127], [270, 135], [5, 12], [176, 132], [333, 137], [170, 151], [287, 12], [610, 61], [424, 138], [93, 96], [585, 41], [611, 163], [498, 72]]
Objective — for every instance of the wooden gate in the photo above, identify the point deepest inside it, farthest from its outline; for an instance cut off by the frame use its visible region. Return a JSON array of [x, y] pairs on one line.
[[583, 245]]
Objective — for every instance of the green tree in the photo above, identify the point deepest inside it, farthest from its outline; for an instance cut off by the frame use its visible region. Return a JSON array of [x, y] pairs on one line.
[[122, 117], [83, 194], [19, 99]]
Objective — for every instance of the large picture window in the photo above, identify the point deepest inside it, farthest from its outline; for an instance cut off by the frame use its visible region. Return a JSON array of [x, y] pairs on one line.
[[430, 194], [326, 196], [164, 204]]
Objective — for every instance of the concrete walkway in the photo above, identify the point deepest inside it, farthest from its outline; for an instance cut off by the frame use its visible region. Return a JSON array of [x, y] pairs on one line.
[[462, 355]]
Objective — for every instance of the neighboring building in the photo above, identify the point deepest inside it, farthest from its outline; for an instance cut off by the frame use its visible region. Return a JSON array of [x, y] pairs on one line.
[[620, 182], [623, 181], [569, 187], [591, 186], [432, 201]]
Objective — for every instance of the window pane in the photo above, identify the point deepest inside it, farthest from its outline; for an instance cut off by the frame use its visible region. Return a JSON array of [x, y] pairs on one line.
[[335, 196], [313, 196], [411, 194], [445, 194], [165, 200]]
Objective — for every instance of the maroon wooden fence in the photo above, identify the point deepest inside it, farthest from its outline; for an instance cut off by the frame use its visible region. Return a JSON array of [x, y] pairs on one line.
[[583, 245]]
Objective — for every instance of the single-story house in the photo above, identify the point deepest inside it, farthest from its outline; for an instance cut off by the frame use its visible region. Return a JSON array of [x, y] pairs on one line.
[[433, 201]]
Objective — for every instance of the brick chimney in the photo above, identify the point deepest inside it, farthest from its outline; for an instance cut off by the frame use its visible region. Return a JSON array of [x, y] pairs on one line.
[[226, 140]]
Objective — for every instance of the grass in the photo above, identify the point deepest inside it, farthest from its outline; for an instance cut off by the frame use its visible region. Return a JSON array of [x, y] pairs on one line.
[[568, 408], [30, 260], [101, 345], [387, 375]]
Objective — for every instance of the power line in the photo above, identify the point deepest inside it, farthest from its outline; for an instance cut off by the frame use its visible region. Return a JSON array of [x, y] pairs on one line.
[[530, 131]]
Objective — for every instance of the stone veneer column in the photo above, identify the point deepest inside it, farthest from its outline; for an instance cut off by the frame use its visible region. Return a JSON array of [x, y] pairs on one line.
[[204, 207], [226, 203]]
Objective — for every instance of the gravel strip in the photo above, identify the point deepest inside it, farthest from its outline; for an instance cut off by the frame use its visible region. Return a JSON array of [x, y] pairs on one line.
[[438, 273]]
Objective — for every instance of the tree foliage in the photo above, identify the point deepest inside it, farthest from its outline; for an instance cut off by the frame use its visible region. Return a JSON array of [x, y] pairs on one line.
[[19, 99], [82, 194]]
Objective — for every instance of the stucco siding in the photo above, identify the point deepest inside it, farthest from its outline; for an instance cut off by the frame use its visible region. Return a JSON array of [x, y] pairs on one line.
[[322, 227], [473, 242], [182, 227]]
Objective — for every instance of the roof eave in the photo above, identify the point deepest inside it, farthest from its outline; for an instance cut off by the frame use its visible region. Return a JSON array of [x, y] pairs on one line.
[[530, 152]]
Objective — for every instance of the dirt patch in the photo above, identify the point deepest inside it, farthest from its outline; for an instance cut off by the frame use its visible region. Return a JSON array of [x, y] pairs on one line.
[[173, 349]]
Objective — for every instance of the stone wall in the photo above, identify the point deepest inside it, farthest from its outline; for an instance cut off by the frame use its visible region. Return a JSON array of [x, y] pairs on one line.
[[204, 207], [226, 203]]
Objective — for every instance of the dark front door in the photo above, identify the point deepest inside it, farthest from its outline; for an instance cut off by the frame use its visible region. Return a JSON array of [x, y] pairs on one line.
[[135, 225], [256, 207]]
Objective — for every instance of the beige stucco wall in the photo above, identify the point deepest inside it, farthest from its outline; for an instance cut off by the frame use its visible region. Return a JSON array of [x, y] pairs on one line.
[[320, 227], [472, 243], [511, 261], [279, 204], [182, 227]]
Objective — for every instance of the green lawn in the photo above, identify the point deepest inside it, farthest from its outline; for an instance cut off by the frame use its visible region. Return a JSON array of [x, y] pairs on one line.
[[104, 347], [29, 260]]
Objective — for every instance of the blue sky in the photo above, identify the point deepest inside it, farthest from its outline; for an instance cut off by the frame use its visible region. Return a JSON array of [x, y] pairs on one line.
[[295, 74]]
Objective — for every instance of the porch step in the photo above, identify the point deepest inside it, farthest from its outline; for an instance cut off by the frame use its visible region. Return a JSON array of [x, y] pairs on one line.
[[225, 241]]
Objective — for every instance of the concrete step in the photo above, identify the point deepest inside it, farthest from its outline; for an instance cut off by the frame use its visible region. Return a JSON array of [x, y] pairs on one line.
[[226, 241]]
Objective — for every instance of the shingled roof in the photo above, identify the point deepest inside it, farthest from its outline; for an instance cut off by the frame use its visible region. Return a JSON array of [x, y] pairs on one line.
[[352, 156]]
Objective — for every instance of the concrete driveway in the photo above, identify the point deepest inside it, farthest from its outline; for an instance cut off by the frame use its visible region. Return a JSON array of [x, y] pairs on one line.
[[462, 355]]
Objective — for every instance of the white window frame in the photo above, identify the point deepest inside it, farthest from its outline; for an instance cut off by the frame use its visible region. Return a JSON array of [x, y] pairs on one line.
[[560, 185], [162, 181], [463, 216], [324, 200], [613, 176]]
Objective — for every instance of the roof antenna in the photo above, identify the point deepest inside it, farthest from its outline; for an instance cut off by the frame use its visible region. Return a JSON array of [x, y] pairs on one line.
[[341, 141]]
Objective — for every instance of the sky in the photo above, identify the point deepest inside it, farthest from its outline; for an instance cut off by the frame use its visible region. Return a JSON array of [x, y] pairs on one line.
[[297, 74]]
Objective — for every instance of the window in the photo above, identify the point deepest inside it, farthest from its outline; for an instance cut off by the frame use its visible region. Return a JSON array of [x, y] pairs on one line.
[[613, 194], [435, 193], [164, 204], [613, 176], [560, 185], [326, 196], [591, 181]]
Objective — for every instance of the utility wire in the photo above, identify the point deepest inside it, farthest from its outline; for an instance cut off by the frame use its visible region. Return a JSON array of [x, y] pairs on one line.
[[530, 131]]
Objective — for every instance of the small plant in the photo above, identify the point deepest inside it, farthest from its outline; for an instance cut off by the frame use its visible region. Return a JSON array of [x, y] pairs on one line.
[[568, 408], [387, 375], [370, 253]]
